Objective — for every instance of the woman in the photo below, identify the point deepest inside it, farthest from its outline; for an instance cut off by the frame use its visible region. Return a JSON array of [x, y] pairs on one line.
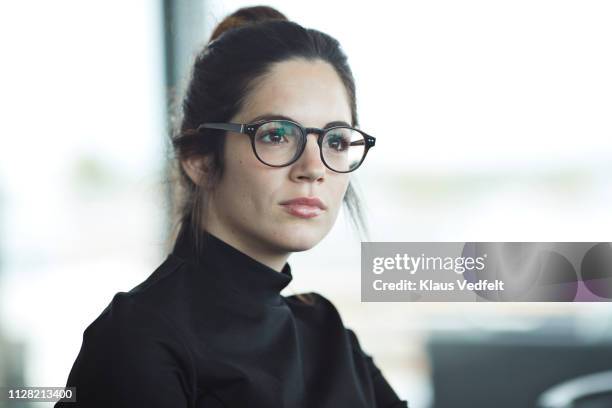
[[265, 147]]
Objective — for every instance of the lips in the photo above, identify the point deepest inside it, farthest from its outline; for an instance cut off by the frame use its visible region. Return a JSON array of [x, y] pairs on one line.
[[304, 207]]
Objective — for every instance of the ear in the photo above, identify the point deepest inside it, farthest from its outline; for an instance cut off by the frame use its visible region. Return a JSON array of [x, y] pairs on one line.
[[198, 169]]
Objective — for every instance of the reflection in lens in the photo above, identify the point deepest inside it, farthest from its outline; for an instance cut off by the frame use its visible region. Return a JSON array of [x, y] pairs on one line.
[[276, 142], [343, 148]]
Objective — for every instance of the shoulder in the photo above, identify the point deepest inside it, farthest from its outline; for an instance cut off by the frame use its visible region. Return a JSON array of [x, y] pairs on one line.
[[313, 301], [354, 341], [321, 310], [126, 323], [165, 276], [131, 352], [164, 300], [314, 307], [128, 338], [135, 317]]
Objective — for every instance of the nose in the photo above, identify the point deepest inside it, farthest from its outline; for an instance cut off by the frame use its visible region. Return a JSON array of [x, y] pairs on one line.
[[309, 166]]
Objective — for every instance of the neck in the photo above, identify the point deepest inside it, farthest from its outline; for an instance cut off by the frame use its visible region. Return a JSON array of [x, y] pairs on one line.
[[251, 247]]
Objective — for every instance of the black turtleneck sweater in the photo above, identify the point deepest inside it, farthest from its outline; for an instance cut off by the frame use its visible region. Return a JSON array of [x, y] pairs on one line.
[[213, 331]]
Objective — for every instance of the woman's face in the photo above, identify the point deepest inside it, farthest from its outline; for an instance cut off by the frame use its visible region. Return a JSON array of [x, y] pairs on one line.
[[245, 207]]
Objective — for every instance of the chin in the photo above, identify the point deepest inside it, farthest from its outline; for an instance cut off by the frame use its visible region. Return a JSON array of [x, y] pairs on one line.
[[298, 240]]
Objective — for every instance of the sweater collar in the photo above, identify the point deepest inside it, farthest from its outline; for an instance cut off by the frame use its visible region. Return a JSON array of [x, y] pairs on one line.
[[231, 268]]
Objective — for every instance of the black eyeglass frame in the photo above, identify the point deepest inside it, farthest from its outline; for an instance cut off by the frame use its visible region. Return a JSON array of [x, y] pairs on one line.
[[250, 129]]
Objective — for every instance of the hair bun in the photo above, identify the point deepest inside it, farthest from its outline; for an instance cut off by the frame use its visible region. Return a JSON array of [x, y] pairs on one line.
[[246, 16]]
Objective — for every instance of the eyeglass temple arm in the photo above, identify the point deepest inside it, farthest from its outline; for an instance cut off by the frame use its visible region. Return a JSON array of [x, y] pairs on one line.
[[232, 127], [369, 141]]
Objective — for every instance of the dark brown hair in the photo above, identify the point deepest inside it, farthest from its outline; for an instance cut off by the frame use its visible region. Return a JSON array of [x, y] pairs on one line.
[[241, 49]]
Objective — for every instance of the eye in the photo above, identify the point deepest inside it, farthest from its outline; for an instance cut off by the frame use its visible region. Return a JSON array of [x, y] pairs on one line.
[[276, 135], [272, 138], [338, 141]]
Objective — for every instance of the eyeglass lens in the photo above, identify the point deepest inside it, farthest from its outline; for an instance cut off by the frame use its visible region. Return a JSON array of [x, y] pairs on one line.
[[277, 144]]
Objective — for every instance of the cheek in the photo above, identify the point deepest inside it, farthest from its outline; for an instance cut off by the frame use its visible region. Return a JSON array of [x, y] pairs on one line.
[[241, 165], [340, 186], [232, 192], [253, 186]]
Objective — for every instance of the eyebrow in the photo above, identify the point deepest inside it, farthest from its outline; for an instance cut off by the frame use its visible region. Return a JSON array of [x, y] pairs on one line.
[[269, 116]]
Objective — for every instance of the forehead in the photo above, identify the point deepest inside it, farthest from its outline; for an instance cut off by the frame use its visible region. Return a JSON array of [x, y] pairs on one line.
[[308, 91]]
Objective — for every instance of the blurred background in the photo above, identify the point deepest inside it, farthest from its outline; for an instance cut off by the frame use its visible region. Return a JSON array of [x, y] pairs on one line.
[[493, 123]]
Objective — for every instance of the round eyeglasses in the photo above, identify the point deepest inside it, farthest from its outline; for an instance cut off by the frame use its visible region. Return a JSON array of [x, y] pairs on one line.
[[279, 143]]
